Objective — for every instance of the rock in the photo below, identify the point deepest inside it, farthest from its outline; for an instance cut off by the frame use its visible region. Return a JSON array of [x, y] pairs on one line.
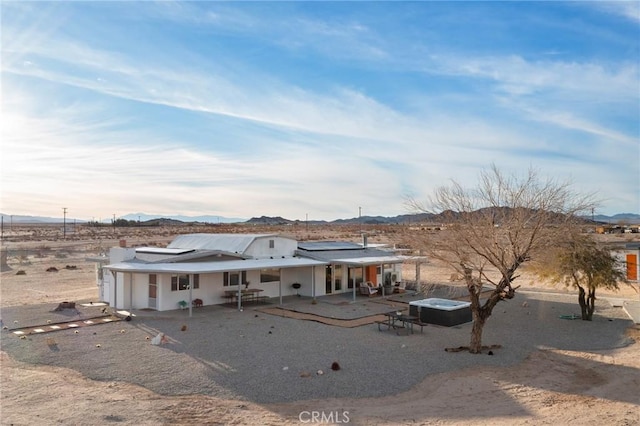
[[65, 305]]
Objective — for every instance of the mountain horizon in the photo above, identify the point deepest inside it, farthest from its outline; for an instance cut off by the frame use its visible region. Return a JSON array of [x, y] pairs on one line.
[[618, 218]]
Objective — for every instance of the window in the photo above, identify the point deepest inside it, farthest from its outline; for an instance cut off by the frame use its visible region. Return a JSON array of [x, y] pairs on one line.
[[196, 281], [233, 278], [153, 279], [272, 243], [337, 276], [181, 282], [355, 274], [269, 275]]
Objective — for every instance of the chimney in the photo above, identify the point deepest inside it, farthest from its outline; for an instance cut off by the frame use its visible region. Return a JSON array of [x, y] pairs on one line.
[[364, 240]]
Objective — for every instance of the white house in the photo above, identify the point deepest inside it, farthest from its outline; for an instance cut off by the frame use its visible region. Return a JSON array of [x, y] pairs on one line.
[[213, 267]]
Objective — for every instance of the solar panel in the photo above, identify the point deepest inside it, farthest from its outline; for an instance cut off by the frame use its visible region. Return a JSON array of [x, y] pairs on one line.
[[328, 245]]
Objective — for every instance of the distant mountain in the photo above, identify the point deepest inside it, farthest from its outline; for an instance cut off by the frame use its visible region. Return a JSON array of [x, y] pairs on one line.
[[8, 219], [630, 218], [143, 217], [147, 219], [265, 220]]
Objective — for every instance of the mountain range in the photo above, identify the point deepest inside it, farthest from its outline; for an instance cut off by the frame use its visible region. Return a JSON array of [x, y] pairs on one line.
[[621, 218]]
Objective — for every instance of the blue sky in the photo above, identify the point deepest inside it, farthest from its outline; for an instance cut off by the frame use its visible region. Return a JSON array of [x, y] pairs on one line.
[[311, 109]]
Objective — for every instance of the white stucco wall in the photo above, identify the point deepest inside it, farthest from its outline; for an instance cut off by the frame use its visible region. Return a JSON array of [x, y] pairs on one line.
[[260, 249]]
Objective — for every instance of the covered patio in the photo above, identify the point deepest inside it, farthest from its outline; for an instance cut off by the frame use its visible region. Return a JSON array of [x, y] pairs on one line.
[[132, 288]]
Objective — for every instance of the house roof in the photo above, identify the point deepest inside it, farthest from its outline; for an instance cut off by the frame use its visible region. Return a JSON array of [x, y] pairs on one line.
[[359, 257], [212, 267], [186, 256], [234, 243]]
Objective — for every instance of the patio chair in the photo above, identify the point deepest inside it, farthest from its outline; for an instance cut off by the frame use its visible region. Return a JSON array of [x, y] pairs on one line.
[[400, 287], [182, 304], [367, 289]]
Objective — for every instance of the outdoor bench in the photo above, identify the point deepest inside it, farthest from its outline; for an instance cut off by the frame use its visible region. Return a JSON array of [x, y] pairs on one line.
[[389, 326], [419, 323]]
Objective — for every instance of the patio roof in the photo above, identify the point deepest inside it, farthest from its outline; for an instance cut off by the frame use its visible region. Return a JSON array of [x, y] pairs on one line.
[[213, 267]]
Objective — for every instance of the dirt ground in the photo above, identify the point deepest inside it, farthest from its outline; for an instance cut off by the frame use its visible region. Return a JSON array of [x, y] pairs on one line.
[[550, 387]]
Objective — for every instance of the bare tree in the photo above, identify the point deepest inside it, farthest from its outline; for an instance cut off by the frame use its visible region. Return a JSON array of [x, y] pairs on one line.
[[495, 227], [580, 263]]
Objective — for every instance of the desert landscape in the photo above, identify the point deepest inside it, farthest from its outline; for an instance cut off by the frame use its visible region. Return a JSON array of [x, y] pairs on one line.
[[596, 382]]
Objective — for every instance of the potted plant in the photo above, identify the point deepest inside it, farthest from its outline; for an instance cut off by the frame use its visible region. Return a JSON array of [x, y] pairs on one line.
[[388, 283]]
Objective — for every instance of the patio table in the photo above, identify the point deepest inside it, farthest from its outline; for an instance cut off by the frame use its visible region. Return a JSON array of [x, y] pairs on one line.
[[397, 320]]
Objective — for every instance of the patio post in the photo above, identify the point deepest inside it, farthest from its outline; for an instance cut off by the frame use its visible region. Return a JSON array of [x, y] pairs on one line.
[[190, 295], [353, 280], [313, 282], [280, 290], [239, 297], [353, 285], [418, 288], [115, 289]]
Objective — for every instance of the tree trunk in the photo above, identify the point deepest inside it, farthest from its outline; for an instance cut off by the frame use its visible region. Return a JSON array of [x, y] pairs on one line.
[[482, 312], [591, 303], [475, 346], [582, 300]]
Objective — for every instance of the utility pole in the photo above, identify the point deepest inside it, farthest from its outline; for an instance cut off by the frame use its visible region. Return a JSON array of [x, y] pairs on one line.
[[306, 221], [64, 223]]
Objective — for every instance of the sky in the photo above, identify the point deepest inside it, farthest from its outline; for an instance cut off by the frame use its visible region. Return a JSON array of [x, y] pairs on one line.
[[310, 110]]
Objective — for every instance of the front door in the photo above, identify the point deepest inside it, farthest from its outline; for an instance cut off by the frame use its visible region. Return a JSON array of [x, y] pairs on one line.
[[632, 267], [328, 277], [153, 291], [333, 277]]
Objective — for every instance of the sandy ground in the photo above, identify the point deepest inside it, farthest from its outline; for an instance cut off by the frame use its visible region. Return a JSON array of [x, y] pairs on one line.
[[550, 387]]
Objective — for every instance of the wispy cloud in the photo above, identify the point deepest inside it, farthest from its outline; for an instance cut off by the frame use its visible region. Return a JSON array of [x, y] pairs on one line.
[[628, 9], [363, 119]]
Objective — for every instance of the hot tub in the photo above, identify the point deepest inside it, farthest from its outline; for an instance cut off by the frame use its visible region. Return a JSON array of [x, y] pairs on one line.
[[441, 311]]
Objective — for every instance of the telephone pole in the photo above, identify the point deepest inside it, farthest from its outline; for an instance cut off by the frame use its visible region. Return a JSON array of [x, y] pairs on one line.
[[64, 223]]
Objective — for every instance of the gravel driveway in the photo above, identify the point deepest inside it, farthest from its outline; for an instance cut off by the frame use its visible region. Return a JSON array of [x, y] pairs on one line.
[[269, 359]]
